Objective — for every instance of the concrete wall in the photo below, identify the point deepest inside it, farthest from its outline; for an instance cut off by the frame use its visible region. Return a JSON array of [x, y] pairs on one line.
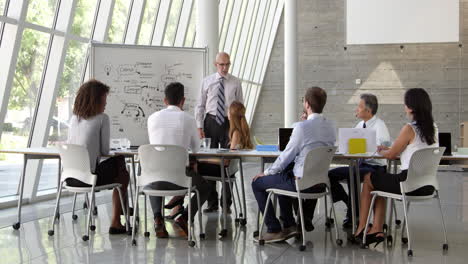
[[385, 70]]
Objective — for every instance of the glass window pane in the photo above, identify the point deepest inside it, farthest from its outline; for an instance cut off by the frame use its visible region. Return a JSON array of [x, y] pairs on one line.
[[84, 16], [192, 27], [21, 104], [2, 6], [172, 23], [119, 20], [41, 12], [48, 176], [149, 16]]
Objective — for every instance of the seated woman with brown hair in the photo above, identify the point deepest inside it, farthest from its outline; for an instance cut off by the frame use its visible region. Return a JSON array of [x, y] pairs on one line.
[[90, 127], [420, 132], [239, 134]]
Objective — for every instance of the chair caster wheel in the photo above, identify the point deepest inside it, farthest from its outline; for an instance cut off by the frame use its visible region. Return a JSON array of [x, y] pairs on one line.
[[237, 220], [85, 238], [327, 224], [243, 222], [302, 247], [223, 233], [134, 242], [445, 247], [255, 233], [404, 240], [389, 241], [339, 242], [332, 220], [50, 232], [202, 236], [261, 242], [147, 234], [16, 226], [95, 211], [191, 243], [85, 206], [397, 222], [385, 228], [74, 217], [241, 215], [410, 253], [363, 246], [92, 227]]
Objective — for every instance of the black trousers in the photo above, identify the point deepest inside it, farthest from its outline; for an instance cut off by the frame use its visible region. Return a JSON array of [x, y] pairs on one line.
[[217, 133], [209, 169], [197, 181], [342, 174]]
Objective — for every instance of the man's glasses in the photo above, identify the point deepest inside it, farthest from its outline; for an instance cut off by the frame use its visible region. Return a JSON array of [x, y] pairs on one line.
[[224, 64]]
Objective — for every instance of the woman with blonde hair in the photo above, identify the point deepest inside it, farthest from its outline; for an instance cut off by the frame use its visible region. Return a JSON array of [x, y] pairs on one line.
[[239, 135]]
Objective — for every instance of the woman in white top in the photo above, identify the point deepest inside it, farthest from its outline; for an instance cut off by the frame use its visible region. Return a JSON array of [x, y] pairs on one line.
[[420, 133], [90, 127]]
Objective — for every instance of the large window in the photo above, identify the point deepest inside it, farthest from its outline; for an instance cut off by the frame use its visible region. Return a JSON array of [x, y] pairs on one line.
[[119, 20], [41, 12], [147, 24], [84, 15], [25, 41]]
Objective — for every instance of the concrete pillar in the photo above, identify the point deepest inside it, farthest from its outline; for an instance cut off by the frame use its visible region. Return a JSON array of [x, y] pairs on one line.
[[290, 62], [208, 29]]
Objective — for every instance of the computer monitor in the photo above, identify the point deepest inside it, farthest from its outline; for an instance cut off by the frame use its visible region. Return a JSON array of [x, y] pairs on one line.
[[283, 137], [445, 140]]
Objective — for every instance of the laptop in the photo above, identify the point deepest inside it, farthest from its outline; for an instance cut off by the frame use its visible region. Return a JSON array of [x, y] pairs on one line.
[[445, 140], [283, 137]]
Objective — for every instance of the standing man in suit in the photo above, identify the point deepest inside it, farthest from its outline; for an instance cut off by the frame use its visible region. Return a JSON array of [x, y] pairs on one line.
[[218, 91], [366, 111], [314, 132]]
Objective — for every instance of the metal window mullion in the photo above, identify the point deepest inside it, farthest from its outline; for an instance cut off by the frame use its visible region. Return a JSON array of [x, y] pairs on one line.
[[187, 26], [269, 46], [178, 21], [155, 21], [96, 13], [139, 22], [222, 4], [259, 43], [221, 39], [165, 23], [238, 27], [128, 20], [44, 70], [230, 31], [248, 43], [4, 98], [245, 41], [194, 38]]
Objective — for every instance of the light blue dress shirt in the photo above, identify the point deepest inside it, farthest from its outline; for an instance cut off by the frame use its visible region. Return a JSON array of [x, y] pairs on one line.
[[314, 132]]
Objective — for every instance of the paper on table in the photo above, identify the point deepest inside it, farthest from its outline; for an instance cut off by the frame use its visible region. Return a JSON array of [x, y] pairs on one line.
[[345, 134]]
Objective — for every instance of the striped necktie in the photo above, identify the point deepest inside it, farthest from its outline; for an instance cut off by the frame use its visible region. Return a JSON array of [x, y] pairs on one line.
[[220, 109]]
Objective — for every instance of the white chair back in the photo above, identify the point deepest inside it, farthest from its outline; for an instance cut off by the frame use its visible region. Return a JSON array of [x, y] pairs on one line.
[[422, 169], [163, 163], [316, 166], [75, 163]]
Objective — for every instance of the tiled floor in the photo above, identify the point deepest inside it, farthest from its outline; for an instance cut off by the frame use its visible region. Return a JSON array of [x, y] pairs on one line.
[[31, 244]]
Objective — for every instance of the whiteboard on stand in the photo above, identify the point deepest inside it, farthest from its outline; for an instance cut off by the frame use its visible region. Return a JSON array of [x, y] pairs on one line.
[[137, 76]]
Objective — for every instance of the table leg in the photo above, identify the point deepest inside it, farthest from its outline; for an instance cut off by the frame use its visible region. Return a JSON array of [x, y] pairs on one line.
[[134, 181], [244, 220], [358, 184], [59, 180], [20, 200], [223, 232], [352, 194]]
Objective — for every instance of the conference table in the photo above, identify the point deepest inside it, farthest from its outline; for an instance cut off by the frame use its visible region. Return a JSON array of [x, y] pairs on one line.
[[222, 154]]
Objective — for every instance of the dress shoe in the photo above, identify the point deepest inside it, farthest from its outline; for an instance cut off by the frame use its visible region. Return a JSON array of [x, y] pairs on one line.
[[160, 228]]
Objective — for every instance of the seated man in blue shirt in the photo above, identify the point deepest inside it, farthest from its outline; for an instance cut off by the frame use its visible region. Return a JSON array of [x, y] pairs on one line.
[[314, 132]]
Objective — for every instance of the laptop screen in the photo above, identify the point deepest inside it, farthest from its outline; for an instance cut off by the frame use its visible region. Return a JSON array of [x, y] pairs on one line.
[[283, 136], [445, 140]]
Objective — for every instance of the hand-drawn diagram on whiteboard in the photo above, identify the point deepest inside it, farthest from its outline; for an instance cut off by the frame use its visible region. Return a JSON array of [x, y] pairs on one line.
[[137, 78]]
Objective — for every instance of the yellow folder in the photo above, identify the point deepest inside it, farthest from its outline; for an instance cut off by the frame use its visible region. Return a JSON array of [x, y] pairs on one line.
[[357, 145]]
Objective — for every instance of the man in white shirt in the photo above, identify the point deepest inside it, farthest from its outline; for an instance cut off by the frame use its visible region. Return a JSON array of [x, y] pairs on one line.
[[173, 126], [366, 111], [314, 132], [218, 91]]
